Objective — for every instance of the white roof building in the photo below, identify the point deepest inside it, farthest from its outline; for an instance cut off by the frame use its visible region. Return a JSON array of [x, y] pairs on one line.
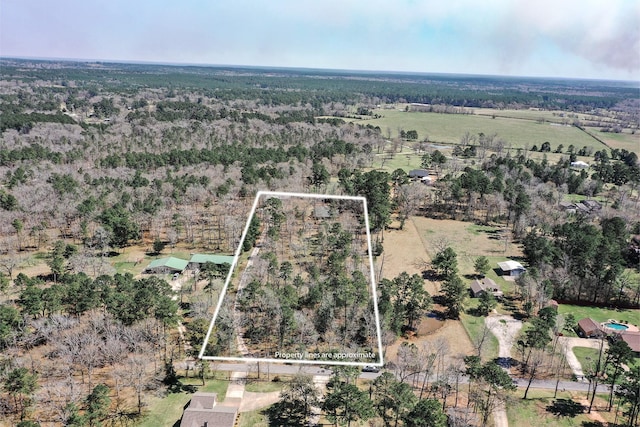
[[511, 268]]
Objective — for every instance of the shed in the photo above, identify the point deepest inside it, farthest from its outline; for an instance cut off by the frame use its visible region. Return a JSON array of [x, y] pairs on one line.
[[589, 328], [197, 260], [204, 411], [511, 268], [166, 266], [632, 339], [478, 287], [579, 164]]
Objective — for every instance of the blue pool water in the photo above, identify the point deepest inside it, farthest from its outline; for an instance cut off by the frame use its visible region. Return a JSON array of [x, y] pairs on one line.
[[616, 326]]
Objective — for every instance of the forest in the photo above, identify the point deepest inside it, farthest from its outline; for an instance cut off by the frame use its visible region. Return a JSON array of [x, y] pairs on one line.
[[104, 166]]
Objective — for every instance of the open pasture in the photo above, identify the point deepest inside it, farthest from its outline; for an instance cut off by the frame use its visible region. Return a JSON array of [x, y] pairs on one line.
[[624, 140], [449, 128]]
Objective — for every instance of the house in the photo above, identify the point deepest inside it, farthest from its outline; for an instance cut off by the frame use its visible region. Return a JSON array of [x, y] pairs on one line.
[[478, 287], [581, 207], [632, 339], [592, 205], [166, 266], [418, 173], [204, 411], [589, 328], [197, 260], [568, 207], [511, 268]]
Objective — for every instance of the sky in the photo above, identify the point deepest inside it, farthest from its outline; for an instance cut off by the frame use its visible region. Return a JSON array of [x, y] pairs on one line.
[[595, 39]]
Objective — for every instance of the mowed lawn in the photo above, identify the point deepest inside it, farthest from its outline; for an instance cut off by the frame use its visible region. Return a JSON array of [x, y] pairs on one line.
[[449, 128], [165, 412], [600, 314], [537, 410], [587, 356]]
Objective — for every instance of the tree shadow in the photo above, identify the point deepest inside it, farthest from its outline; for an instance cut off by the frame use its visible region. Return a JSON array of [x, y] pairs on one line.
[[594, 424], [565, 408], [431, 274], [506, 362]]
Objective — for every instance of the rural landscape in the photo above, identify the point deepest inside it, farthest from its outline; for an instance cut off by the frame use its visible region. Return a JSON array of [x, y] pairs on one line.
[[504, 224]]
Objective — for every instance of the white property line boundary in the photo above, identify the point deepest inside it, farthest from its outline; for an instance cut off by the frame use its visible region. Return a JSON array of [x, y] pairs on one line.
[[235, 261]]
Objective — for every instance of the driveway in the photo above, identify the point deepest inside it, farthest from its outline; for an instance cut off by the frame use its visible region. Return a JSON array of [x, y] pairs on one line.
[[505, 329], [568, 343]]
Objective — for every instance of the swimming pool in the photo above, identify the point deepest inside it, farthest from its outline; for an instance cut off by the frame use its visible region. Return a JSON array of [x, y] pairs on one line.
[[616, 326]]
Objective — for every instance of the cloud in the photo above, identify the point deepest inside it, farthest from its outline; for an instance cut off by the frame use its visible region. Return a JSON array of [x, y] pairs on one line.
[[588, 38]]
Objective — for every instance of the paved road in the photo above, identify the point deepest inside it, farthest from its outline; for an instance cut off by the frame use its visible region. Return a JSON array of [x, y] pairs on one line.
[[313, 370]]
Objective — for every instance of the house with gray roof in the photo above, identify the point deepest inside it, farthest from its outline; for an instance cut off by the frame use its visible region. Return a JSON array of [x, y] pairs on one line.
[[205, 411], [478, 287]]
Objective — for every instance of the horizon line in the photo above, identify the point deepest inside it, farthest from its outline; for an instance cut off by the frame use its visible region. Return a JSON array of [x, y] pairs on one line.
[[307, 68]]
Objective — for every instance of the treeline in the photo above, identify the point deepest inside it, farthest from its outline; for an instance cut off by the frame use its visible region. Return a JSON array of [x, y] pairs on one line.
[[37, 152], [290, 87], [227, 155], [127, 299], [24, 122], [510, 178], [584, 263]]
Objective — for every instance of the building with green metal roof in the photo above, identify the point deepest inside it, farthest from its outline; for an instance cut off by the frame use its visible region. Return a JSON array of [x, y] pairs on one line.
[[166, 265], [198, 259]]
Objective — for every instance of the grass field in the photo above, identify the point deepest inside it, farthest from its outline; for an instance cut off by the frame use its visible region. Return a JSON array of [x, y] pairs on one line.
[[619, 140], [449, 128], [253, 419], [473, 325], [534, 411], [600, 314], [165, 412], [531, 114], [587, 356]]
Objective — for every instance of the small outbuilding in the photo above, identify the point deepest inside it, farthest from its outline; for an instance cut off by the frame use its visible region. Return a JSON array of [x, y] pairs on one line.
[[579, 164], [478, 287], [511, 268], [166, 266], [589, 328], [204, 411]]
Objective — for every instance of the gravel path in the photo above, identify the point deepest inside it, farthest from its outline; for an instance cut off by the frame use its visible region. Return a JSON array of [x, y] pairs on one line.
[[505, 329]]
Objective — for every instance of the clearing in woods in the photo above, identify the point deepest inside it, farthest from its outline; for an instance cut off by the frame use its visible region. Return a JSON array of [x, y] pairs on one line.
[[412, 248]]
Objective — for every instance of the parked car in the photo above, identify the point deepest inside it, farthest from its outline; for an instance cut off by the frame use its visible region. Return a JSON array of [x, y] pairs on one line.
[[370, 369]]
